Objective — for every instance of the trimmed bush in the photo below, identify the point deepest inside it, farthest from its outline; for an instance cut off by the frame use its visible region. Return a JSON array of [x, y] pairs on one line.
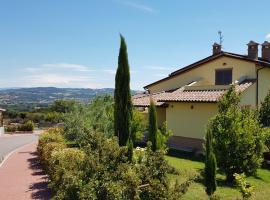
[[53, 135], [47, 152], [66, 172], [27, 126], [11, 128]]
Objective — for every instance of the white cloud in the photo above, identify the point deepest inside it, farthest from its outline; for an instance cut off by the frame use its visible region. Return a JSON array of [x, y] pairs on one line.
[[113, 71], [138, 6], [54, 79], [160, 68], [267, 36], [74, 67], [110, 71], [161, 75]]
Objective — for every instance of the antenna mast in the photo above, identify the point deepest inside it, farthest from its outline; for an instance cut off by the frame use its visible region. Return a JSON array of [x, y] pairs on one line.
[[220, 38]]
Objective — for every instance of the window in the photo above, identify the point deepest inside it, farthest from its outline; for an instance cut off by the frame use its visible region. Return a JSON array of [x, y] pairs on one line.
[[223, 76]]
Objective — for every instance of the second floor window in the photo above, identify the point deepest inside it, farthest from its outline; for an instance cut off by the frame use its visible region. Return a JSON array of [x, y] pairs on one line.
[[223, 76]]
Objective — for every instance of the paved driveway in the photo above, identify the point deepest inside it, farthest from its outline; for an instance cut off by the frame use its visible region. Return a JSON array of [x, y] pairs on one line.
[[8, 143]]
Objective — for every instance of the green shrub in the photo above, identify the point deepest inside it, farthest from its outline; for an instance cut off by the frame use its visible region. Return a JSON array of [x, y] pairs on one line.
[[26, 126], [47, 152], [267, 138], [67, 171], [237, 137], [11, 128], [264, 114], [245, 188], [49, 136], [53, 117]]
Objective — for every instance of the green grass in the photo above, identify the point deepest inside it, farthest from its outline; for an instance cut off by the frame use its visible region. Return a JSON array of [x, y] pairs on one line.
[[189, 167]]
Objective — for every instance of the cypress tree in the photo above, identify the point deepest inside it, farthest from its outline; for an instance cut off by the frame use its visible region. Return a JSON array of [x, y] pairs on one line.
[[122, 97], [210, 165], [130, 150], [153, 127]]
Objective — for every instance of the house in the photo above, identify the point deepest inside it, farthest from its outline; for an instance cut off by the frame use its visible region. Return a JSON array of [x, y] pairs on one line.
[[1, 121], [188, 97]]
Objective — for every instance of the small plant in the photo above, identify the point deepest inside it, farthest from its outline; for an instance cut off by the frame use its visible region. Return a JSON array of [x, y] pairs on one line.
[[245, 188]]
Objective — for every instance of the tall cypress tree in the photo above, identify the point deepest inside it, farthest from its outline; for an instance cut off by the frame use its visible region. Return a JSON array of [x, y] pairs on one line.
[[153, 127], [122, 97], [210, 165]]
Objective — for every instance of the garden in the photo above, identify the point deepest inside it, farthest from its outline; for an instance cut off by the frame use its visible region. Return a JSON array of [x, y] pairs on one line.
[[96, 152]]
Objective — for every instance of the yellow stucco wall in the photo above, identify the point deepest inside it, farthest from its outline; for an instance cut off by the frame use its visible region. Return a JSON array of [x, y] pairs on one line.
[[187, 122], [161, 115], [248, 97], [207, 73], [263, 84]]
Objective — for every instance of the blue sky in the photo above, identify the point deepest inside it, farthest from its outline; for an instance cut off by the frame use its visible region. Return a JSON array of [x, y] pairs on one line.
[[75, 43]]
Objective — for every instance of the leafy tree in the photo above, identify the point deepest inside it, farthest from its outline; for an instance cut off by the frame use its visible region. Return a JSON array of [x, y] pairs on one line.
[[210, 165], [63, 106], [122, 97], [101, 114], [237, 137], [138, 126], [153, 127], [97, 117], [265, 111]]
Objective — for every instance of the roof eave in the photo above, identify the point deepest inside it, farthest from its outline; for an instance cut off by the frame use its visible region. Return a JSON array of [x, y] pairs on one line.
[[205, 60]]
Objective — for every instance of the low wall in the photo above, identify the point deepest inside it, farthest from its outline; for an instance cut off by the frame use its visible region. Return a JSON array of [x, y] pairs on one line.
[[2, 130]]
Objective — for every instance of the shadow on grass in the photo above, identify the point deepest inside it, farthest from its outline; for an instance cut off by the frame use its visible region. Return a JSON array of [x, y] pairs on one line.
[[185, 155], [40, 188]]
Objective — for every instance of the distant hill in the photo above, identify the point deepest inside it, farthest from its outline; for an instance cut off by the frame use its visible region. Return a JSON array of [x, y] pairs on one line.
[[46, 95]]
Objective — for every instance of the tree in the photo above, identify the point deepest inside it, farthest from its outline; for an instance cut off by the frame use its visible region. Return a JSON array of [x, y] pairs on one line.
[[130, 150], [210, 165], [153, 127], [237, 137], [265, 111], [122, 97]]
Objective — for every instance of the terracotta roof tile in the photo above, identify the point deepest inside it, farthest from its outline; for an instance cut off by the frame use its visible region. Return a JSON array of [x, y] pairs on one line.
[[184, 94], [188, 94], [143, 100]]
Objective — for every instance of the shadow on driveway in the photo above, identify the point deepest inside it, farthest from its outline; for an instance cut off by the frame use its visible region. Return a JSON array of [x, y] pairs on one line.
[[38, 189]]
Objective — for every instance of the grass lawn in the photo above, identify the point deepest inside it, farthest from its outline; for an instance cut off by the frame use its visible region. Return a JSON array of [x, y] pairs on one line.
[[189, 168]]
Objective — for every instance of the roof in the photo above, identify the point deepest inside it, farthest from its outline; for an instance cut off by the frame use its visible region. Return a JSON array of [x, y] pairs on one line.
[[143, 100], [190, 94], [258, 61], [201, 95], [2, 110]]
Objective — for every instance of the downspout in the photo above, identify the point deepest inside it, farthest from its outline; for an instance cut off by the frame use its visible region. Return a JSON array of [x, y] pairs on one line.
[[257, 85]]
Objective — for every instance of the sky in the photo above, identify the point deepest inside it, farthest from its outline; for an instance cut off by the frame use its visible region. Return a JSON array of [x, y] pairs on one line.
[[75, 43]]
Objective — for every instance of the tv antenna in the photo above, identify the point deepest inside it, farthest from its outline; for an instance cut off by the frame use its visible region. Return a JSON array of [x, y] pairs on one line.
[[220, 38]]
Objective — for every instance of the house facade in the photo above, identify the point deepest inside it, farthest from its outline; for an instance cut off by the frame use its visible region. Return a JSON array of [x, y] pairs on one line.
[[1, 121], [188, 97]]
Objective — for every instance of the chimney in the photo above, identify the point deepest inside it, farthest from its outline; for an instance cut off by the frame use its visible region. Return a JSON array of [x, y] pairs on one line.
[[266, 51], [253, 50], [216, 48]]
